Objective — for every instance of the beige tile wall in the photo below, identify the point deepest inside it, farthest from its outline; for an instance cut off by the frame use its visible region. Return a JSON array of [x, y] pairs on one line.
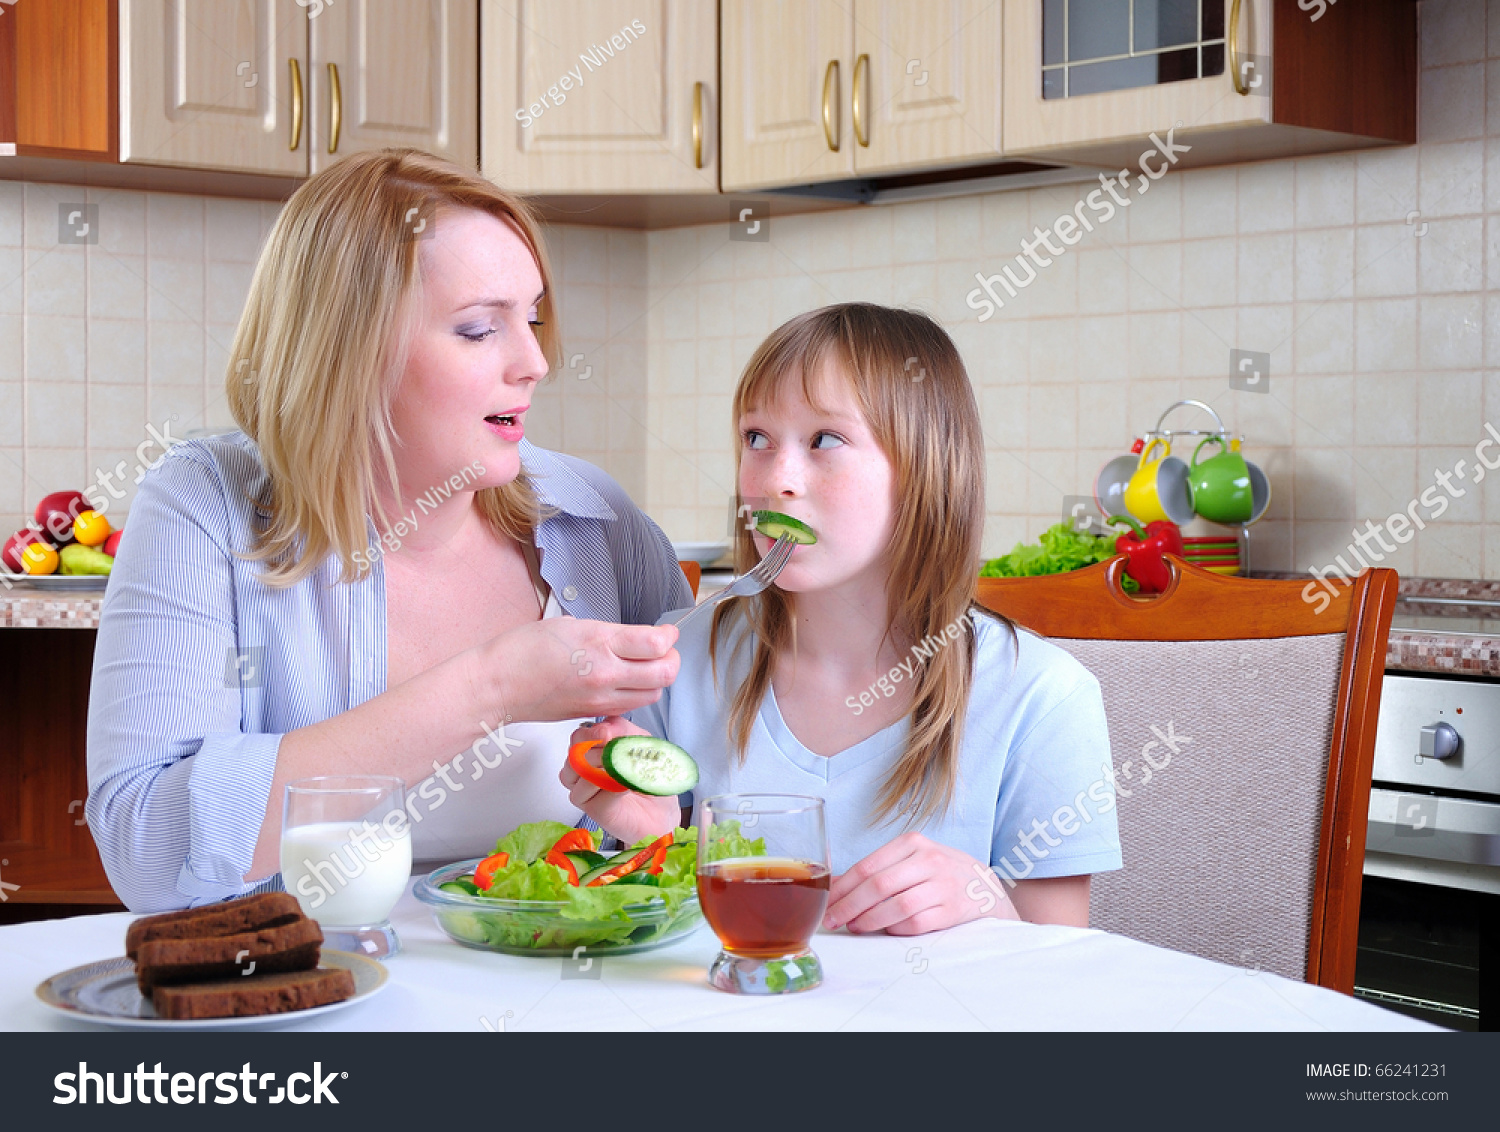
[[1384, 334], [100, 341]]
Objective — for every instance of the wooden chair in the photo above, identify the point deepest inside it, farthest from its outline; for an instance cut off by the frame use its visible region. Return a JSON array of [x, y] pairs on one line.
[[694, 574], [1242, 727]]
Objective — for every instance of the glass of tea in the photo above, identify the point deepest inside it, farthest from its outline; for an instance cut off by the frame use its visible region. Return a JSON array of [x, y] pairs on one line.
[[763, 885]]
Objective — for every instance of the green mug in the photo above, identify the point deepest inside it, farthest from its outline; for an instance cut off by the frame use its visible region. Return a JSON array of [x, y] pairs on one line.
[[1220, 485]]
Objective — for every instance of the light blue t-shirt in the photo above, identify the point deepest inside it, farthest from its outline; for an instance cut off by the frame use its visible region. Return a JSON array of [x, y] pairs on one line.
[[1035, 791]]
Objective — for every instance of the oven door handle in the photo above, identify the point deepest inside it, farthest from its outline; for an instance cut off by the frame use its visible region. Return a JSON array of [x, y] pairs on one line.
[[1444, 829]]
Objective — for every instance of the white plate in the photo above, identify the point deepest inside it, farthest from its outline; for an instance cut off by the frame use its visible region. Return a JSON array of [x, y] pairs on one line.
[[701, 552], [58, 581], [105, 992]]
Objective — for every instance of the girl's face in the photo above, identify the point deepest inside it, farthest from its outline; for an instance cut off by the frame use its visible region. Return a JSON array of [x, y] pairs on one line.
[[825, 469], [474, 356]]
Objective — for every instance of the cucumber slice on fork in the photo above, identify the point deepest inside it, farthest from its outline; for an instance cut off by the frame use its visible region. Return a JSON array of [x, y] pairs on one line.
[[649, 765], [773, 524]]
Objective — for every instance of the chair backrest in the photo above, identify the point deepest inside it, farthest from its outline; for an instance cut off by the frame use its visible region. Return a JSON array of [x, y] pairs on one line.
[[1242, 726], [694, 573]]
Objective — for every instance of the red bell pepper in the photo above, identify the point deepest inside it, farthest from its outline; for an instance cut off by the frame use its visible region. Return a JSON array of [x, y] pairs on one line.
[[1143, 551], [659, 858], [557, 857], [484, 872], [593, 775], [574, 841], [647, 854]]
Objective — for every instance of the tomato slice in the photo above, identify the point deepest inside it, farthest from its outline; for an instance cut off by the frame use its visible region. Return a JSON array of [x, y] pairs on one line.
[[484, 872], [593, 775], [574, 841]]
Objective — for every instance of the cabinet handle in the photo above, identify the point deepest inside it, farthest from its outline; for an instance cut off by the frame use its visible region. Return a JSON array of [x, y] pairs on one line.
[[335, 107], [296, 104], [697, 125], [861, 131], [830, 79], [1234, 48]]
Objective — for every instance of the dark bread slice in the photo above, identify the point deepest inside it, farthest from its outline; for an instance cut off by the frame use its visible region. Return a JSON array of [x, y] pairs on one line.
[[233, 917], [255, 994], [291, 947]]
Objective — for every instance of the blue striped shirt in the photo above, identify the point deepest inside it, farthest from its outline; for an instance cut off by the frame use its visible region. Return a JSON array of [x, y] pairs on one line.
[[199, 668]]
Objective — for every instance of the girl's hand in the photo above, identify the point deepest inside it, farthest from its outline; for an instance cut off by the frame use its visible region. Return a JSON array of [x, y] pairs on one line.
[[913, 885], [629, 816]]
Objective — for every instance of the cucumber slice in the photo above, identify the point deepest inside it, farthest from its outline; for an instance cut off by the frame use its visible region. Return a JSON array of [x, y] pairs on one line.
[[773, 524], [611, 863], [462, 887], [649, 765], [584, 860]]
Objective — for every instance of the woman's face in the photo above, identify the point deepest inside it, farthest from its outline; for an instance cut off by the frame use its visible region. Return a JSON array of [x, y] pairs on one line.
[[826, 469], [474, 356]]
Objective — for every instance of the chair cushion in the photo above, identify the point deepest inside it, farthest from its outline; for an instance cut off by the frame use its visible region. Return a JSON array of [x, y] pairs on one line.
[[1220, 752]]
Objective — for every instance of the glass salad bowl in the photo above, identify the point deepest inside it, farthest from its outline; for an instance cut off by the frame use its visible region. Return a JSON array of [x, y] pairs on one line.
[[555, 927]]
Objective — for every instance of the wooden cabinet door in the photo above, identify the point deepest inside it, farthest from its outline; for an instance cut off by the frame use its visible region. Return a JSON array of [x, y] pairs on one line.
[[1114, 125], [926, 83], [404, 73], [599, 96], [775, 58], [207, 84]]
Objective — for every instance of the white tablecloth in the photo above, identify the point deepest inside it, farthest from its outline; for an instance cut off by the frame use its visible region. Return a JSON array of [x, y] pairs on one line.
[[981, 976]]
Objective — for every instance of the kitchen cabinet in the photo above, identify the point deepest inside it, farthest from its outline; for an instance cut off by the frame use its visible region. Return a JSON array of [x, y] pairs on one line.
[[1087, 81], [815, 90], [395, 72], [57, 79], [272, 87], [590, 96], [48, 860]]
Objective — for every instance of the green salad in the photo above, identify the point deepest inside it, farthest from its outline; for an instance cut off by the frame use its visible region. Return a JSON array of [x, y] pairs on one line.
[[554, 891], [1059, 550]]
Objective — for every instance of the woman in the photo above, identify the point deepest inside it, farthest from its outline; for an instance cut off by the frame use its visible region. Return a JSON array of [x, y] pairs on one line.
[[378, 574]]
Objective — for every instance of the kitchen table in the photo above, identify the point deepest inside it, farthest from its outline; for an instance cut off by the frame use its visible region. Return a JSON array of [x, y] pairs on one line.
[[986, 975]]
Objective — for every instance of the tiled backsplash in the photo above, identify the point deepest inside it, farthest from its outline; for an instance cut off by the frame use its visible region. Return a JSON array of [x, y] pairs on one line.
[[1364, 276]]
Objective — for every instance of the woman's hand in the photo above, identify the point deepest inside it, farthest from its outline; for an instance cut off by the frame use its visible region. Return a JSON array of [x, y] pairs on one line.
[[629, 816], [914, 885], [563, 668]]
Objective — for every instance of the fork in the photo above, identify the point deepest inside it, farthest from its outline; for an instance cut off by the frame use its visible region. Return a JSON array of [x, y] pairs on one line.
[[759, 578]]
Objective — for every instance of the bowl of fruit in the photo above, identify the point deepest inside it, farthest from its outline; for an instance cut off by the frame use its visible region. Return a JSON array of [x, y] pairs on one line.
[[70, 545]]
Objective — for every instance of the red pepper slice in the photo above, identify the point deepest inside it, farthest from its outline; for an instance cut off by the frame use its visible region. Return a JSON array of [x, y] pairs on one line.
[[574, 841], [561, 860], [484, 872], [659, 858], [662, 843], [593, 775]]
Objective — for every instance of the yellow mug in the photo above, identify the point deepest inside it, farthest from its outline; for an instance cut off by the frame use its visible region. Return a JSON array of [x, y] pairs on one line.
[[1159, 487]]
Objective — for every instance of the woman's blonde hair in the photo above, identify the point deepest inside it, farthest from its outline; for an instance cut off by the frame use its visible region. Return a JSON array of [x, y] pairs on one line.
[[323, 342], [917, 401]]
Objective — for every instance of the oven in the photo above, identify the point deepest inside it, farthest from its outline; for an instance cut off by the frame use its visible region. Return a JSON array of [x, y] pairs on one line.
[[1429, 929]]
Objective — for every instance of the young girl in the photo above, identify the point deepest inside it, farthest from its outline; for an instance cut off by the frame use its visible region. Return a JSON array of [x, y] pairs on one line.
[[950, 749]]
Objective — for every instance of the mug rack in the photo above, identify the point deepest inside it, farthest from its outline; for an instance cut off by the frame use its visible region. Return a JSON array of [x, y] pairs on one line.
[[1242, 530]]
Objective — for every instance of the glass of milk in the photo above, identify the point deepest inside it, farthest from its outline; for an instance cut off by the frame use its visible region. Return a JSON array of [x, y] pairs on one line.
[[346, 857]]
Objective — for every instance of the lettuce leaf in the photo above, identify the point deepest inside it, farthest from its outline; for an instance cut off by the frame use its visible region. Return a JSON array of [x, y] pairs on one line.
[[1059, 550], [531, 842]]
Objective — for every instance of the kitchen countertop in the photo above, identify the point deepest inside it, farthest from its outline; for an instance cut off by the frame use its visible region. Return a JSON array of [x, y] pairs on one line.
[[1446, 625]]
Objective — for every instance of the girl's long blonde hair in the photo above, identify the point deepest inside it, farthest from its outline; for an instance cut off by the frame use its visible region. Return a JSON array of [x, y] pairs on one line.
[[917, 401], [324, 339]]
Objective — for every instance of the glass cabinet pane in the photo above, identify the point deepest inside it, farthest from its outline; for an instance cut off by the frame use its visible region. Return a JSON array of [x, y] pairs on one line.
[[1094, 46]]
